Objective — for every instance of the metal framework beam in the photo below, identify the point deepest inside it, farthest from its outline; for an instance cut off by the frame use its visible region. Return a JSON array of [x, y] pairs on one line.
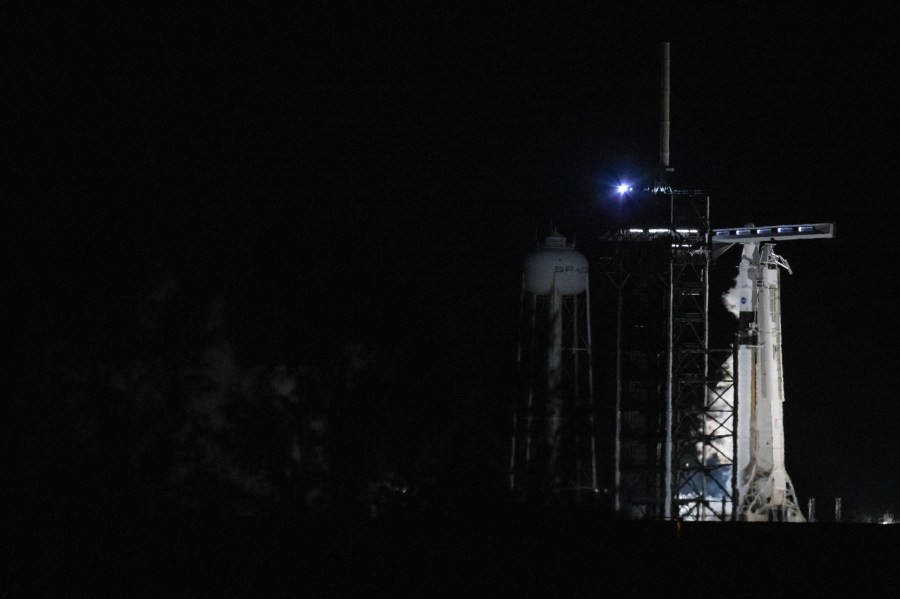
[[674, 417]]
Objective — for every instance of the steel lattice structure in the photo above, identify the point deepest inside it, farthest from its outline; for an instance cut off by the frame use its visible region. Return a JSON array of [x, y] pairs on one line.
[[674, 453]]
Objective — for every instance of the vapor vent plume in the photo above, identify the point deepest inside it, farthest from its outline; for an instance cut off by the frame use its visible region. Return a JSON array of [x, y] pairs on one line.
[[731, 298]]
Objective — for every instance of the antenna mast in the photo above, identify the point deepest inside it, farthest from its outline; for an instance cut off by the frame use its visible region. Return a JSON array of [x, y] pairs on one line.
[[662, 173]]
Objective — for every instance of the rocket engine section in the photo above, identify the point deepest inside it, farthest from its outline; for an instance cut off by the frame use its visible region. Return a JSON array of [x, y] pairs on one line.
[[553, 457]]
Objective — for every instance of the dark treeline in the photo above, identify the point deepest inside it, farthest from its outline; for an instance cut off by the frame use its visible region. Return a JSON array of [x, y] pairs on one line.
[[150, 388]]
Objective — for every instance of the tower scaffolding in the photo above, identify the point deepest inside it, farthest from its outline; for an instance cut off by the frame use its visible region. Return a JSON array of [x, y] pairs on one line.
[[674, 418]]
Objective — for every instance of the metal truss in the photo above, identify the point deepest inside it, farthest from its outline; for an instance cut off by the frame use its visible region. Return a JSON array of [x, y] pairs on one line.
[[554, 449], [674, 453], [702, 423]]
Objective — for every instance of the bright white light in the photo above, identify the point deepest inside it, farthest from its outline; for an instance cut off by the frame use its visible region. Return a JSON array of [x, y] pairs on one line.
[[624, 188], [682, 231]]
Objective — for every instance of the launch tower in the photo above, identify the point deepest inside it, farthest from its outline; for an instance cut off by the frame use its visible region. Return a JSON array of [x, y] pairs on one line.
[[674, 423]]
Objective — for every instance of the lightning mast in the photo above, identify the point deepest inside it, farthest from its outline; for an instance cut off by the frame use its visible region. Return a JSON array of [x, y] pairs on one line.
[[665, 123]]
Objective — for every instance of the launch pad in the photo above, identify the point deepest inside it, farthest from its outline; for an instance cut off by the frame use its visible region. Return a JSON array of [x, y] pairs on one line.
[[699, 429], [698, 419]]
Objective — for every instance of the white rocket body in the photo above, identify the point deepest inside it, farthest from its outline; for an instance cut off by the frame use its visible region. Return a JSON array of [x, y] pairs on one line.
[[764, 487]]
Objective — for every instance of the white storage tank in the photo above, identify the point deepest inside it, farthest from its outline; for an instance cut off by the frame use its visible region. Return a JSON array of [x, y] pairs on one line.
[[553, 452], [556, 264]]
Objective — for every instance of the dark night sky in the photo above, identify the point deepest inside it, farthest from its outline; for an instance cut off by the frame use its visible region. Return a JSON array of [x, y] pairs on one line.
[[379, 175]]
